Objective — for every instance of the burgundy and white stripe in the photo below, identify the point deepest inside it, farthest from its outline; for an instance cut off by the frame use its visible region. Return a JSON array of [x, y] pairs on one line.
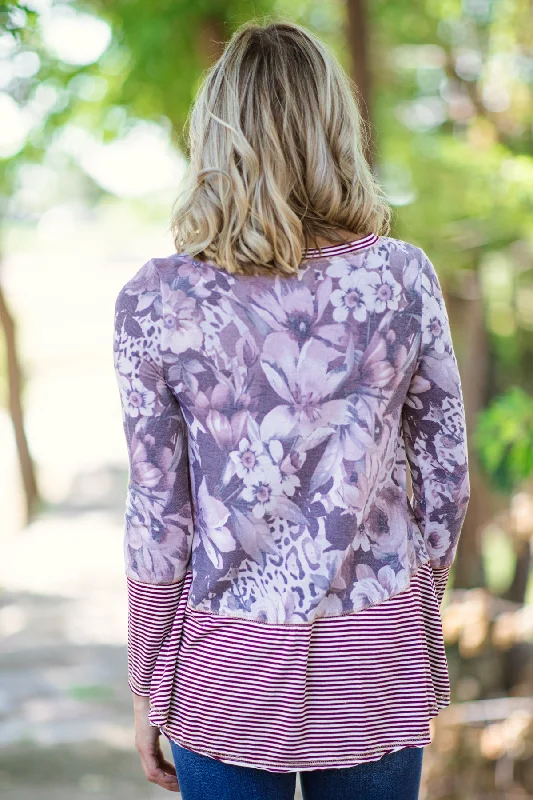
[[440, 580], [151, 612], [339, 249], [334, 692]]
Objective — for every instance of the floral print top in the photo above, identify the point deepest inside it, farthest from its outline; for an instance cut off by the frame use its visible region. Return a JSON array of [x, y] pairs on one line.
[[270, 422]]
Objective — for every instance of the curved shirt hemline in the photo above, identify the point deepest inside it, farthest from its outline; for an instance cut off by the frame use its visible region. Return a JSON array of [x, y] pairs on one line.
[[309, 766]]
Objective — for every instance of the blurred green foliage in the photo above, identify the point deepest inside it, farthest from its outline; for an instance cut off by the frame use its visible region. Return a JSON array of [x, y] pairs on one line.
[[162, 49], [91, 693], [504, 439]]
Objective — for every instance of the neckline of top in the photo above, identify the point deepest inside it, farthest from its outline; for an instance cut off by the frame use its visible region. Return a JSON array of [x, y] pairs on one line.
[[339, 249]]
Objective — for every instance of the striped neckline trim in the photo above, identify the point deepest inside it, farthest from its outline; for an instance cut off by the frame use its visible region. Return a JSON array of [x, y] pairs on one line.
[[339, 249]]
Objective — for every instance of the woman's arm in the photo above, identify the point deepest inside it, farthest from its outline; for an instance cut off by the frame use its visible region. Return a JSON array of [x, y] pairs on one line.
[[434, 429], [158, 521], [158, 518], [155, 766]]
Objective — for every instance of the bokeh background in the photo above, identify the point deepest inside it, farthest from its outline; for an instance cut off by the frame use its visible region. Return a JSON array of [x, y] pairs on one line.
[[93, 100]]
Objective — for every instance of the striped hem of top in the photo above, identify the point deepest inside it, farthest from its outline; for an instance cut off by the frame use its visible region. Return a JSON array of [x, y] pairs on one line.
[[307, 766], [339, 249], [152, 610], [338, 693]]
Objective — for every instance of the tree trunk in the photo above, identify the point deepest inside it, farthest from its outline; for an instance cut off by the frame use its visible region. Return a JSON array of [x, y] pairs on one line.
[[14, 379], [468, 567], [358, 30], [518, 588], [517, 659]]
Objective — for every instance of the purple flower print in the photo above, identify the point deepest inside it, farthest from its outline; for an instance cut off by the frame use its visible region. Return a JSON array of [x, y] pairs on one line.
[[181, 321], [269, 424], [419, 385], [329, 606], [344, 268], [136, 398], [371, 588], [298, 312], [224, 413], [437, 538], [350, 493], [183, 373], [263, 490], [426, 467], [150, 471], [155, 541], [374, 367], [219, 427], [196, 271], [392, 540], [246, 350], [384, 291], [287, 466], [355, 440], [433, 332], [450, 434], [446, 450], [213, 534], [354, 297], [303, 379], [347, 444], [247, 459]]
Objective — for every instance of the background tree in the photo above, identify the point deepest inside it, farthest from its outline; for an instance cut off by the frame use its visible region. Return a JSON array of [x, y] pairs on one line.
[[15, 26]]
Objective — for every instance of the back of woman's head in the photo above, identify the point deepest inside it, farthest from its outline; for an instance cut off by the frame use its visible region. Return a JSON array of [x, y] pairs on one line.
[[277, 159]]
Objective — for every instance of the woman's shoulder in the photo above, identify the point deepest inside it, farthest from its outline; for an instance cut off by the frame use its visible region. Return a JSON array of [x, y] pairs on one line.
[[402, 246], [146, 281]]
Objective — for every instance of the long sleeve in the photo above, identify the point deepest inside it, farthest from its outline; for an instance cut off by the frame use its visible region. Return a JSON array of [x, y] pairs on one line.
[[440, 581], [434, 430], [158, 517]]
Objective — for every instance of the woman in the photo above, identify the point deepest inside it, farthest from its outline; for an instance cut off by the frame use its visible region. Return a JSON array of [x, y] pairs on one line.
[[277, 374]]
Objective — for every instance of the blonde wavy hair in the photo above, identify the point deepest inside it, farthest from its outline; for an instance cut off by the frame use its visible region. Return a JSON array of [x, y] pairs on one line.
[[276, 145]]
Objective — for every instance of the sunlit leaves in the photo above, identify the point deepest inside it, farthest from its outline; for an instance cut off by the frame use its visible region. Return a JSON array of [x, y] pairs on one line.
[[503, 439]]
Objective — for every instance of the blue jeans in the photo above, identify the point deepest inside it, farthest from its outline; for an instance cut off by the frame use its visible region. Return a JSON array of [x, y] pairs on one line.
[[395, 776]]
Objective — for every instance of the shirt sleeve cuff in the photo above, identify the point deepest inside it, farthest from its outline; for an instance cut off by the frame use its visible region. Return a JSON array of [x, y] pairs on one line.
[[151, 611], [440, 580]]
